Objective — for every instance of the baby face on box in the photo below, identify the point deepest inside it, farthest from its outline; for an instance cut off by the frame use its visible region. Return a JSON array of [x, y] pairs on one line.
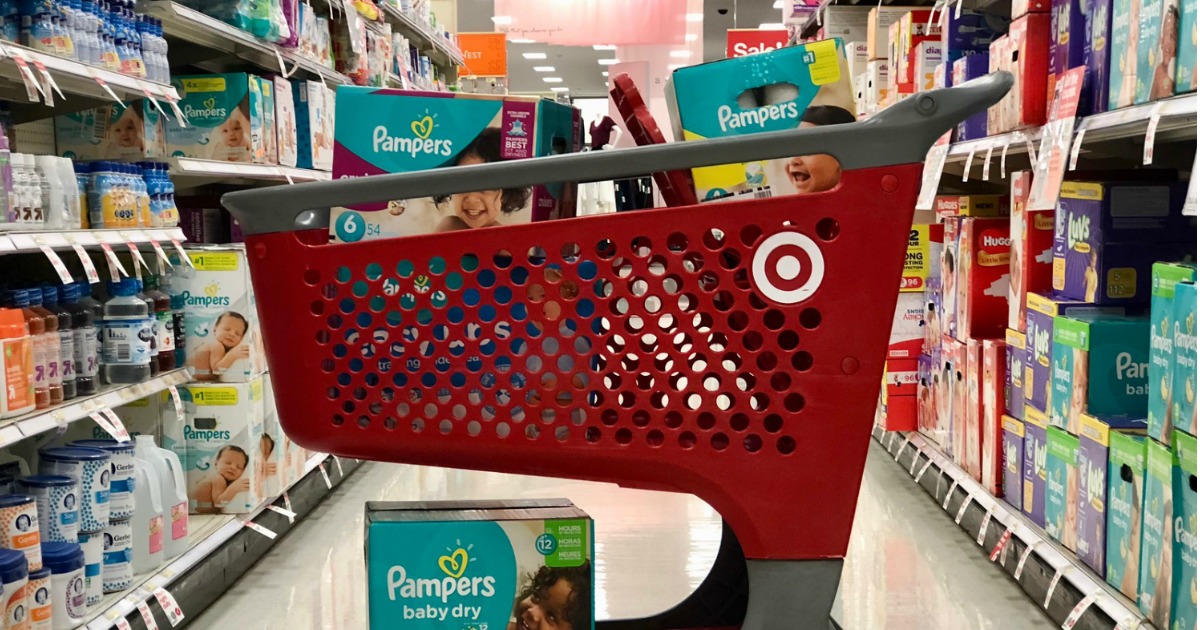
[[220, 118]]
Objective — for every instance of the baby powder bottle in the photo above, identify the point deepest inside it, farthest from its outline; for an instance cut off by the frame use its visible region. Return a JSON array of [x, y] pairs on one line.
[[93, 565], [50, 347], [57, 506], [19, 529], [66, 340], [16, 364], [67, 563], [128, 335], [148, 522], [14, 572], [37, 600], [173, 486], [36, 325], [118, 556], [83, 339], [90, 467], [123, 481], [165, 356]]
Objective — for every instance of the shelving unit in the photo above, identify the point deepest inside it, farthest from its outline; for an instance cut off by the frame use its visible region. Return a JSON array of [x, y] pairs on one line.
[[440, 51], [28, 242], [191, 172]]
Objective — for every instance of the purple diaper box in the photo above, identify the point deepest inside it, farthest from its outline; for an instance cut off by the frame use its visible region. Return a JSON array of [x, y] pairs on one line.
[[1095, 56], [1033, 477], [1040, 311], [1092, 491], [963, 70], [1069, 41], [1111, 234], [1014, 374], [966, 32], [1013, 473]]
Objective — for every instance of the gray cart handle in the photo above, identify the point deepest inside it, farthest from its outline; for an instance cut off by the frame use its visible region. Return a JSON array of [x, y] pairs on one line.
[[901, 134]]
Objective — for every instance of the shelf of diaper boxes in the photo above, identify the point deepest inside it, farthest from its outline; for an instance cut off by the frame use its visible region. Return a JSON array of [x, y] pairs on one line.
[[1050, 574], [445, 51]]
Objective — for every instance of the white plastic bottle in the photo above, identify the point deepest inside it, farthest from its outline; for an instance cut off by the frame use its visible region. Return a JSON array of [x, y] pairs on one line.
[[54, 197], [147, 521], [174, 494], [70, 185]]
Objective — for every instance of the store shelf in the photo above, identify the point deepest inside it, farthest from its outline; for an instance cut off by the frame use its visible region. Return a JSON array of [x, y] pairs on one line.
[[443, 53], [184, 168], [223, 548], [1051, 575], [38, 422], [197, 29], [25, 242]]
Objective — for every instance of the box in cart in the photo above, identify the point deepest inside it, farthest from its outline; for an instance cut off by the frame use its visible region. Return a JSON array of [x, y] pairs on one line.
[[1157, 49], [315, 111], [1039, 339], [1062, 486], [223, 435], [224, 118], [983, 268], [1164, 277], [1183, 555], [1025, 53], [1014, 461], [962, 70], [1070, 25], [1033, 477], [1158, 513], [1100, 365], [1092, 496], [1031, 264], [1185, 61], [413, 131], [489, 563], [1111, 233], [1183, 373], [112, 132], [771, 91], [1096, 55], [1014, 389], [285, 121], [992, 415], [1123, 518]]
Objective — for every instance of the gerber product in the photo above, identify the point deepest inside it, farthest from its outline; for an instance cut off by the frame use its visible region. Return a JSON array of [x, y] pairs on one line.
[[1033, 490], [1039, 338], [1030, 266], [1110, 236], [14, 571], [37, 593], [992, 415], [962, 70], [1014, 390], [1158, 512], [1062, 485], [224, 118], [1164, 277], [1014, 461], [1123, 55], [1183, 544], [57, 511], [90, 466], [1100, 364], [489, 558], [1183, 374], [223, 434], [1069, 32], [285, 121], [118, 556], [1094, 480], [1157, 49], [1025, 53], [220, 316], [112, 132], [93, 556], [315, 108], [771, 91], [122, 483], [19, 527], [1185, 61], [983, 274], [413, 131], [1099, 15], [68, 583], [1123, 529]]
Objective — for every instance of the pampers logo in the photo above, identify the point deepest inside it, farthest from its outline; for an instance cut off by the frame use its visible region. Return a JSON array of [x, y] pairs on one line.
[[207, 112], [212, 297], [451, 582], [203, 434], [384, 142], [758, 117]]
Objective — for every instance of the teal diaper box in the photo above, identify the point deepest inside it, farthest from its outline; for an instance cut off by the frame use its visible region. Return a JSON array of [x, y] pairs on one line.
[[1123, 518], [1183, 374], [224, 118], [1062, 486], [1183, 607], [112, 132], [1158, 524], [415, 131], [479, 565], [1163, 279], [1185, 63], [1100, 365]]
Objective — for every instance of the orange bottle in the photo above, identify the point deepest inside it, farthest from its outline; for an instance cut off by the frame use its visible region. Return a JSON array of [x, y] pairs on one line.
[[16, 364], [36, 327]]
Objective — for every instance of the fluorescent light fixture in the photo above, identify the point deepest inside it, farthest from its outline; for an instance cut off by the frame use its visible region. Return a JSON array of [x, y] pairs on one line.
[[543, 68], [608, 62], [605, 73], [552, 79], [681, 54], [534, 55], [778, 4], [690, 37], [771, 26], [674, 66], [560, 89], [522, 41], [502, 20], [694, 17], [604, 47]]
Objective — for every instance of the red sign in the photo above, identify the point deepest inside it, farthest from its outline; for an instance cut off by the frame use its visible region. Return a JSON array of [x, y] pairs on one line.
[[747, 41], [484, 54]]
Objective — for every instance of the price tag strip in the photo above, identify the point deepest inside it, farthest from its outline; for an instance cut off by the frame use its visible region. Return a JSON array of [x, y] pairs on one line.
[[1080, 608], [147, 616], [33, 89], [962, 509], [137, 256], [1151, 131], [1058, 573], [175, 398], [89, 268], [1025, 557], [983, 527], [1076, 147], [967, 169], [55, 261], [187, 260], [48, 82], [169, 605], [1001, 544], [104, 86], [122, 624], [287, 502], [104, 423], [1056, 142], [121, 433], [987, 164], [1004, 158], [931, 177], [325, 476], [260, 529], [288, 514], [949, 494], [115, 268]]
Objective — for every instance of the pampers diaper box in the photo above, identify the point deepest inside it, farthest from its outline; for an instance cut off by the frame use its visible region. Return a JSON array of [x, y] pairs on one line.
[[480, 564], [413, 131], [220, 315], [1100, 364], [1123, 529], [1158, 512], [1164, 277], [1033, 491], [112, 132], [1039, 338], [223, 434], [1185, 62], [1183, 556], [1157, 48], [224, 118], [1062, 484], [315, 110], [771, 91], [1183, 377], [1092, 495]]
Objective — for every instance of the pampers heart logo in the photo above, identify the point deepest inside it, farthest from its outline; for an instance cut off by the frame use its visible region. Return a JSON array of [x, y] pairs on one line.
[[455, 564], [210, 103], [382, 140], [423, 127]]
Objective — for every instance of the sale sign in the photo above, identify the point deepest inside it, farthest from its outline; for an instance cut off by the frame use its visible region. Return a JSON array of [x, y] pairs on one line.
[[484, 54], [747, 41]]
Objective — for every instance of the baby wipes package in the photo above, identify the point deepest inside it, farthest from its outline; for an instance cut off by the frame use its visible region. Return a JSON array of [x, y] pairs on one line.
[[1164, 277], [1100, 365], [412, 131], [1062, 484], [112, 132], [220, 315], [223, 434], [224, 118], [1183, 554], [1183, 373], [1158, 536], [1033, 490], [315, 109], [1092, 494], [1123, 518], [285, 121], [479, 564], [771, 91]]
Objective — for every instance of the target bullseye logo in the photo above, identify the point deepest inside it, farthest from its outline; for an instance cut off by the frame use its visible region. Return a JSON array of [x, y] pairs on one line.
[[788, 267]]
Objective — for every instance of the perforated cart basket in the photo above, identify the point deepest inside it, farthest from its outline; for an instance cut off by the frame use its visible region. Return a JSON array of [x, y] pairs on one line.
[[729, 350]]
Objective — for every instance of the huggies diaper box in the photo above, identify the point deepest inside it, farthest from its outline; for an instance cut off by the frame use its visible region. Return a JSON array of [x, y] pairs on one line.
[[479, 565], [1031, 265], [1123, 518], [1014, 461], [112, 132], [772, 91], [1062, 484], [223, 436], [412, 131], [1014, 389], [1100, 365], [1183, 605], [220, 314], [1033, 489], [1158, 536], [983, 268], [1092, 496], [1164, 277], [1183, 372], [224, 118]]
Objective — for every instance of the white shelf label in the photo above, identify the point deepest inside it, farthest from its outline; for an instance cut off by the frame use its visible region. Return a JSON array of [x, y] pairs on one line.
[[1080, 608], [983, 527], [260, 529], [1024, 557], [1058, 573], [1004, 157], [169, 606], [1001, 544], [325, 476], [147, 616], [59, 267], [962, 509], [928, 463], [949, 495], [288, 514]]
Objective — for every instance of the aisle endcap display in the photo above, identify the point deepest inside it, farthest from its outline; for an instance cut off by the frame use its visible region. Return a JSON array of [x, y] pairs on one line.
[[21, 242]]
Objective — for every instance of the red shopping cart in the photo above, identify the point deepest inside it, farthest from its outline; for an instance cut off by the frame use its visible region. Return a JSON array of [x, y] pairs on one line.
[[732, 350]]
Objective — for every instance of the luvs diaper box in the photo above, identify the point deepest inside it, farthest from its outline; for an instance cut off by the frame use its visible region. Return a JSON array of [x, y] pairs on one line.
[[1014, 389], [1123, 530], [112, 132], [223, 434], [772, 91], [479, 565], [1069, 33], [1157, 49], [1033, 491], [1164, 277], [1014, 461], [1158, 512], [1183, 377], [220, 315], [1097, 52], [224, 118], [1039, 339], [413, 131], [1183, 556], [1100, 365], [315, 111], [1092, 495]]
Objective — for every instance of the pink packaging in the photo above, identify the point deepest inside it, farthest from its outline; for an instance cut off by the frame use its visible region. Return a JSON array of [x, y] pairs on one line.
[[992, 442], [970, 438], [1031, 262], [983, 274]]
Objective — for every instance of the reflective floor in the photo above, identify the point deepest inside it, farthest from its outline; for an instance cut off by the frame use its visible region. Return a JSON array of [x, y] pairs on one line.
[[909, 566]]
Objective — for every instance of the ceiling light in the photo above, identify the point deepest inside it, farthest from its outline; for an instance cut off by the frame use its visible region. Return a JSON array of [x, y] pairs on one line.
[[778, 4], [681, 54], [502, 20], [694, 17], [534, 55], [674, 66], [771, 26], [543, 68], [605, 73], [560, 89], [691, 37], [552, 79], [608, 62], [604, 47], [522, 41]]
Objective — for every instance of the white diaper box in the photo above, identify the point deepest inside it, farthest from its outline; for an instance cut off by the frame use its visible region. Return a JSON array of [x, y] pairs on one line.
[[224, 439], [220, 315], [274, 445], [285, 121]]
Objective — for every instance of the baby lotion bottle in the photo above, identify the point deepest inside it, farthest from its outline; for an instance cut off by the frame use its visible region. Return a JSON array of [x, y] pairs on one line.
[[50, 345], [148, 522], [173, 488], [16, 364], [36, 325]]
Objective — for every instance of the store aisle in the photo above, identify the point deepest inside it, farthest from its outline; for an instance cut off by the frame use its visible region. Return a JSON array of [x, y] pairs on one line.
[[909, 566]]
